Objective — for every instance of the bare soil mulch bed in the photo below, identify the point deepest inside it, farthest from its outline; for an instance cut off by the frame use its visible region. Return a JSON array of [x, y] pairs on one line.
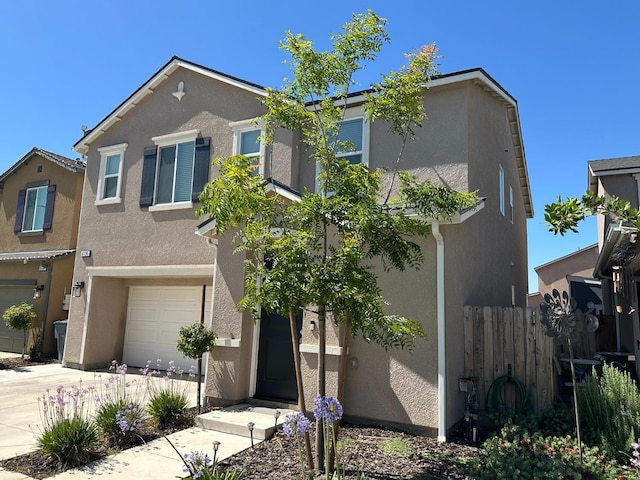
[[377, 452]]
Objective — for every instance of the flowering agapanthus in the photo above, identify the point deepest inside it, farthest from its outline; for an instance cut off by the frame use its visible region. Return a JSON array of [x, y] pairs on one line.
[[130, 418], [327, 408], [196, 463], [295, 423]]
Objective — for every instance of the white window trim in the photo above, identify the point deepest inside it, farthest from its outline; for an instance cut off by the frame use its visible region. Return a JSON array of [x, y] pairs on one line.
[[247, 126], [167, 141], [170, 206], [501, 189], [352, 114], [106, 152], [24, 213], [511, 203]]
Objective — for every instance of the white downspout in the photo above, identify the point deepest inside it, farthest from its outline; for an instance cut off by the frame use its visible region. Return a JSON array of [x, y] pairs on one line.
[[442, 357]]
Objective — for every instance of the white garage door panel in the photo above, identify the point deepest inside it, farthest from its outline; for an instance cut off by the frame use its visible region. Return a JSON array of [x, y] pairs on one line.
[[154, 318]]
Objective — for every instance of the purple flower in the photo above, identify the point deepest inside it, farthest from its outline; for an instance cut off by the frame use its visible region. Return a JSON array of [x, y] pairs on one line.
[[327, 408], [130, 418], [295, 423], [197, 463]]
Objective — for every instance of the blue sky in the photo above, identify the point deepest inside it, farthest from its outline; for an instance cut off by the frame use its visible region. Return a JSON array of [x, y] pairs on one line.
[[573, 66]]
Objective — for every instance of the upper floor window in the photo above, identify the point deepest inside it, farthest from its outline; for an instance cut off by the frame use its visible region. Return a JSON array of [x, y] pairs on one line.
[[247, 141], [175, 171], [110, 179], [501, 189], [511, 204], [34, 212], [350, 141]]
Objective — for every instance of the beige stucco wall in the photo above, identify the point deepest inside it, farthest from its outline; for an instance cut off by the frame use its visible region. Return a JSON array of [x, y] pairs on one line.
[[63, 235], [125, 234]]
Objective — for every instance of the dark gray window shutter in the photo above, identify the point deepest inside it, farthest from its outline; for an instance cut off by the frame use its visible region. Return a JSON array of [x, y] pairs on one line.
[[201, 167], [22, 194], [48, 209], [148, 176]]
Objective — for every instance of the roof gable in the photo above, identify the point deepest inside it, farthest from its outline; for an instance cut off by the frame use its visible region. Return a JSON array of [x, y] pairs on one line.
[[75, 166], [82, 145], [611, 166]]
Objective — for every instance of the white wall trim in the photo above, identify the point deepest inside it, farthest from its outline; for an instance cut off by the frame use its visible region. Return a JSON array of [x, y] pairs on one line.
[[161, 207], [152, 271], [313, 348], [442, 338], [228, 342]]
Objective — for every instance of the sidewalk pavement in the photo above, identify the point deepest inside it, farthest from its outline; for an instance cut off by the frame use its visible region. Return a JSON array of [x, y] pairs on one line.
[[20, 423]]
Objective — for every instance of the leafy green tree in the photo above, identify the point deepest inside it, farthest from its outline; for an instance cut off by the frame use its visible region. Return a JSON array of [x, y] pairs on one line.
[[193, 342], [20, 317], [320, 253], [564, 216]]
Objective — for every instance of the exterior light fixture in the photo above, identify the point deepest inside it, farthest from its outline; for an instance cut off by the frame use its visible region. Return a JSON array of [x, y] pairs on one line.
[[250, 426], [76, 290], [37, 291]]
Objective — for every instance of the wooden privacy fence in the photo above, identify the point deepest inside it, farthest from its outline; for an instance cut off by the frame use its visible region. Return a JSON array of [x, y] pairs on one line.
[[498, 337]]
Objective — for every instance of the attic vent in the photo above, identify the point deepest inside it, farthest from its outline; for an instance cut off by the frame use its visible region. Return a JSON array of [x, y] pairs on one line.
[[39, 169], [180, 92]]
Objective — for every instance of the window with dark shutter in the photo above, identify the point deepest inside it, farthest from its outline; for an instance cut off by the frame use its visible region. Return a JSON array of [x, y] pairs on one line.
[[148, 176], [22, 195], [201, 167]]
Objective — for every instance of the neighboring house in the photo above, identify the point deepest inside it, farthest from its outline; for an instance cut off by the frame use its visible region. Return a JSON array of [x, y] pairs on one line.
[[573, 274], [618, 263], [39, 210], [146, 274]]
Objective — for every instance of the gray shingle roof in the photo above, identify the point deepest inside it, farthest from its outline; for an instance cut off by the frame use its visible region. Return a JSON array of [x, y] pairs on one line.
[[65, 162], [622, 163]]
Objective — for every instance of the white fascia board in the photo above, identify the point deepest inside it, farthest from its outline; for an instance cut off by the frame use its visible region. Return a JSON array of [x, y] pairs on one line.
[[147, 88], [283, 192]]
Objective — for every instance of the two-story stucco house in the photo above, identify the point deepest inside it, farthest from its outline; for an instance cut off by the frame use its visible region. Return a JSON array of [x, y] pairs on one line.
[[39, 211], [618, 261], [146, 273]]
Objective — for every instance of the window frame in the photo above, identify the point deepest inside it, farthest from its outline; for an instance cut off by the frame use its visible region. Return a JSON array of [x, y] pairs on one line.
[[511, 203], [501, 189], [354, 113], [38, 189], [169, 140], [245, 126], [105, 153]]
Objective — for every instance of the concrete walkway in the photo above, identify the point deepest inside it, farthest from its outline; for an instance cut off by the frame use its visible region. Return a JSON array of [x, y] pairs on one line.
[[20, 423]]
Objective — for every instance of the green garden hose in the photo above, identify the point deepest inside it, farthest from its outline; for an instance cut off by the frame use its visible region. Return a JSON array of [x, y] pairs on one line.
[[495, 395]]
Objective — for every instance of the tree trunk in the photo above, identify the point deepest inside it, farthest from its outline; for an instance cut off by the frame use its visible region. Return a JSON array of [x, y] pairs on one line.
[[322, 340], [342, 373], [301, 401], [199, 381]]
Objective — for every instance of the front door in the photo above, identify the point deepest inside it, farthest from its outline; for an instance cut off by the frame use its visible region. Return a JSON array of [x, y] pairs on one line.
[[276, 379]]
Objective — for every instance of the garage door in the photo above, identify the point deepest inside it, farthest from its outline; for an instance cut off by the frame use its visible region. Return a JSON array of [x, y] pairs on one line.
[[11, 340], [154, 318]]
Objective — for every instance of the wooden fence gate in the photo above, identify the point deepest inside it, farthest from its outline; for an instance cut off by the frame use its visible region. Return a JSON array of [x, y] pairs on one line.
[[498, 337]]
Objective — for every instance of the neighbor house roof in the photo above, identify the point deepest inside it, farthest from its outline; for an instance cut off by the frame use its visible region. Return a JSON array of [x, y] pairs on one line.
[[611, 166], [64, 162], [34, 256]]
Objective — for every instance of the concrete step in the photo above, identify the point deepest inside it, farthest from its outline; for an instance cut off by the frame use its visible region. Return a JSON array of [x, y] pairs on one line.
[[235, 420]]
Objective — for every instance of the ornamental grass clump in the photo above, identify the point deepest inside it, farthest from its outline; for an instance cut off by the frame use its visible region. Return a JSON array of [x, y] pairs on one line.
[[68, 434], [168, 402]]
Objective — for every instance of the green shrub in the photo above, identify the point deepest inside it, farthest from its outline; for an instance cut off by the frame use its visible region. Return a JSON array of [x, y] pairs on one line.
[[168, 408], [610, 409], [517, 454], [71, 440]]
